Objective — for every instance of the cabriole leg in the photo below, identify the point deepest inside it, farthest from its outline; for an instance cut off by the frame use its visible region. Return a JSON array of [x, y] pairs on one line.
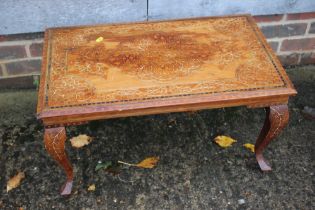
[[277, 118], [54, 139]]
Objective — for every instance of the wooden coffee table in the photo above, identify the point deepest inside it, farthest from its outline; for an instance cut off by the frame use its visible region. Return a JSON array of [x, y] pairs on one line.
[[108, 71]]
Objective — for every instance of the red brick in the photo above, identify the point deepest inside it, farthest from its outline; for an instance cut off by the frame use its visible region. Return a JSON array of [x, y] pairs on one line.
[[308, 58], [289, 60], [284, 30], [301, 16], [36, 49], [267, 18], [12, 52], [26, 36], [274, 45], [17, 82], [298, 44], [23, 67]]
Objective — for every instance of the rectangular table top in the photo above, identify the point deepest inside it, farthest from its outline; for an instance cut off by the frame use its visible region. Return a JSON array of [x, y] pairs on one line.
[[213, 62]]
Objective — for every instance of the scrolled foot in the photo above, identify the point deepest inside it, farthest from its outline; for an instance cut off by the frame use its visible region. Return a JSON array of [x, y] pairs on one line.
[[66, 188], [263, 164]]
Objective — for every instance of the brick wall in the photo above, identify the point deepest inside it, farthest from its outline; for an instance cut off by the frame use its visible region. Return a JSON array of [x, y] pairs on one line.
[[292, 37], [20, 54]]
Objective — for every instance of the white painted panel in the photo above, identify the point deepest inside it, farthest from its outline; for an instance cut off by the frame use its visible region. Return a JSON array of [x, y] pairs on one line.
[[22, 16], [169, 9]]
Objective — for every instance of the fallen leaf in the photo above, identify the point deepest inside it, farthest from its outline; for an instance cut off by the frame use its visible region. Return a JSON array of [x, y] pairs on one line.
[[15, 181], [99, 39], [104, 165], [91, 187], [80, 140], [251, 147], [148, 162], [224, 141]]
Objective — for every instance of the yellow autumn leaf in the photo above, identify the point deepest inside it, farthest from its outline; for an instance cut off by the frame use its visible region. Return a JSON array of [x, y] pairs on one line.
[[148, 162], [91, 187], [99, 39], [80, 140], [250, 147], [15, 181], [224, 141]]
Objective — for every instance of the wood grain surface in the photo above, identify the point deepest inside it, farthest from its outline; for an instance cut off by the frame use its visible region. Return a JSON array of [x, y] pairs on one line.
[[97, 67]]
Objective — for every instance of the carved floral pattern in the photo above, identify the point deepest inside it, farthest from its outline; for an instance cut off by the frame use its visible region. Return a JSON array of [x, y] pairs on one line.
[[80, 90], [163, 53], [159, 56]]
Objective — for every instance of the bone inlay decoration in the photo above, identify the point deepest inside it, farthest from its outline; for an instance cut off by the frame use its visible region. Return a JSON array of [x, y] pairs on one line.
[[170, 59]]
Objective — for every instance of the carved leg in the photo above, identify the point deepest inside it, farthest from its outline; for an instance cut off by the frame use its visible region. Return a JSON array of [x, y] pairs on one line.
[[277, 118], [55, 145]]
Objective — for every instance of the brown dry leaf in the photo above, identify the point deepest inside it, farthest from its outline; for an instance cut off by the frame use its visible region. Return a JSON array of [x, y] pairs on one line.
[[99, 39], [80, 140], [149, 162], [224, 141], [91, 187], [15, 181], [250, 147]]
